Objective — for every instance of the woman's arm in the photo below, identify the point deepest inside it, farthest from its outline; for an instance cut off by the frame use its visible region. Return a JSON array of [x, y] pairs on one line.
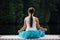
[[38, 25], [24, 26]]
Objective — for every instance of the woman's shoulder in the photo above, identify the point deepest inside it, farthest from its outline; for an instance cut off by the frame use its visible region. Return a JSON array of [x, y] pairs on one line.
[[26, 17], [36, 19]]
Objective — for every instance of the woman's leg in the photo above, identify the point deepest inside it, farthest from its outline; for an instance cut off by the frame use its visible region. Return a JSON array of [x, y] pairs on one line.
[[41, 33], [32, 34], [24, 34]]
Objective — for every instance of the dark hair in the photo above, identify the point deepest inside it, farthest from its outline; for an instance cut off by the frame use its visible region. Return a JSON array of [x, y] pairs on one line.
[[31, 11]]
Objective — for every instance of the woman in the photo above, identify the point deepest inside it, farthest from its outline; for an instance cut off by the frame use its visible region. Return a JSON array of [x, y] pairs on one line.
[[32, 26]]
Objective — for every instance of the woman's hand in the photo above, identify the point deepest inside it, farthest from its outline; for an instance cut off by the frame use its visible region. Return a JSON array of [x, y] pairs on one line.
[[19, 31], [45, 29]]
